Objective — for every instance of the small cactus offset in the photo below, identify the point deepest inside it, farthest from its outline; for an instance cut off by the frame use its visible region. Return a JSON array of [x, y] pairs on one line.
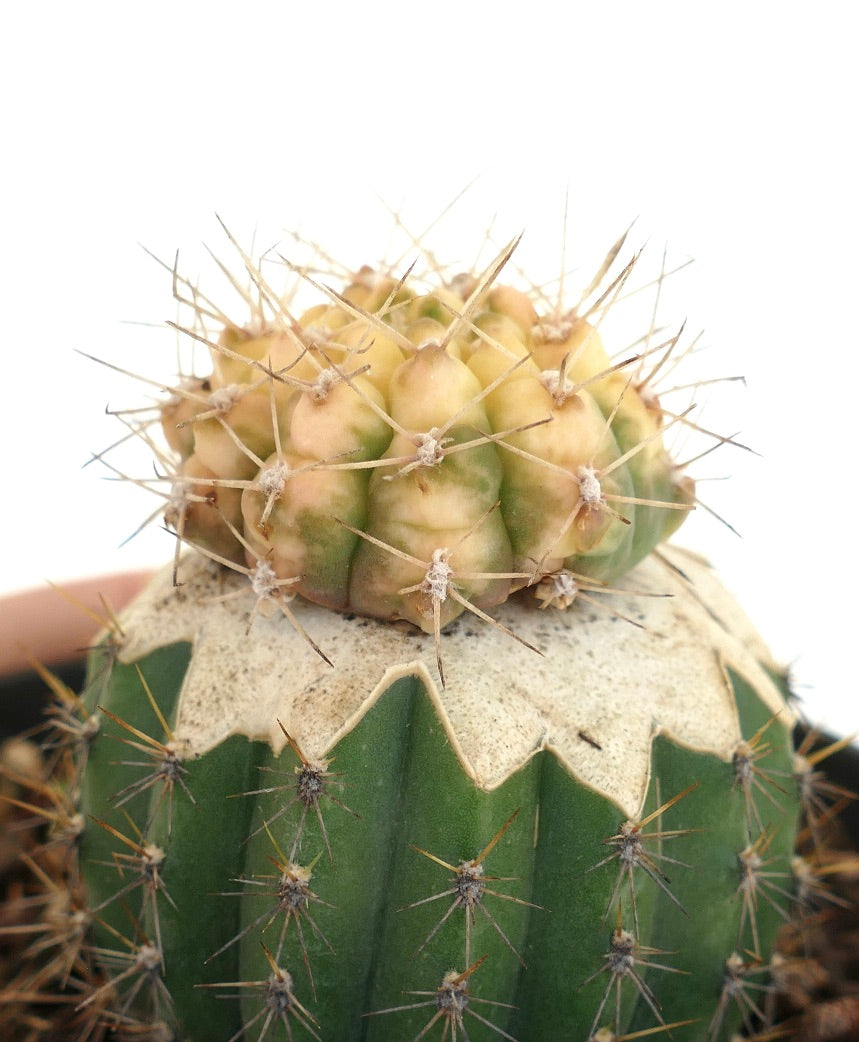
[[425, 732]]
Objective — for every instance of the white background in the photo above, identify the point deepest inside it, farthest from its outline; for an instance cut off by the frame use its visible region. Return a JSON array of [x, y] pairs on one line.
[[728, 130]]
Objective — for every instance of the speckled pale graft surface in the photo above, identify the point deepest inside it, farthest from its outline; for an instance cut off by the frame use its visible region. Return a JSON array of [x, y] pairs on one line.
[[598, 675]]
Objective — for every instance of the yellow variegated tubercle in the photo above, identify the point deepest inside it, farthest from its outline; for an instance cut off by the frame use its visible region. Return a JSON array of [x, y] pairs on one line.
[[405, 451]]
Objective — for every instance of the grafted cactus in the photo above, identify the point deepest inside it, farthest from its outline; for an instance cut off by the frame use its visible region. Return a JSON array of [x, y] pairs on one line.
[[429, 734]]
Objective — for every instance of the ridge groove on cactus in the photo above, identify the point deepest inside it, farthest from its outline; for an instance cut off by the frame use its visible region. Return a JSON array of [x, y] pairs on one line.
[[426, 732]]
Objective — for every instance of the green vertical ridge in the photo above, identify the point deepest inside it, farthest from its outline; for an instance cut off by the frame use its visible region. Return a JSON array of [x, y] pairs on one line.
[[442, 812], [567, 942], [397, 772], [118, 688], [204, 856], [715, 814], [368, 767]]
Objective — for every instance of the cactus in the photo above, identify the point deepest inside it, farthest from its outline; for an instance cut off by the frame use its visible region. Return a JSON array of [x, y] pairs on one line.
[[429, 734]]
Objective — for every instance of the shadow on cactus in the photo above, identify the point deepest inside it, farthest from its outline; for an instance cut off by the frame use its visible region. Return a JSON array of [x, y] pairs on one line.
[[429, 734]]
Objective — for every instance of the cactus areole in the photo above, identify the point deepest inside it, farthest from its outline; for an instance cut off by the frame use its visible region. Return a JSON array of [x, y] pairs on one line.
[[426, 733]]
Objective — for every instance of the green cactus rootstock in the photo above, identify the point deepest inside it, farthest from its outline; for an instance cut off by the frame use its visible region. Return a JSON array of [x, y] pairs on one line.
[[428, 734]]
